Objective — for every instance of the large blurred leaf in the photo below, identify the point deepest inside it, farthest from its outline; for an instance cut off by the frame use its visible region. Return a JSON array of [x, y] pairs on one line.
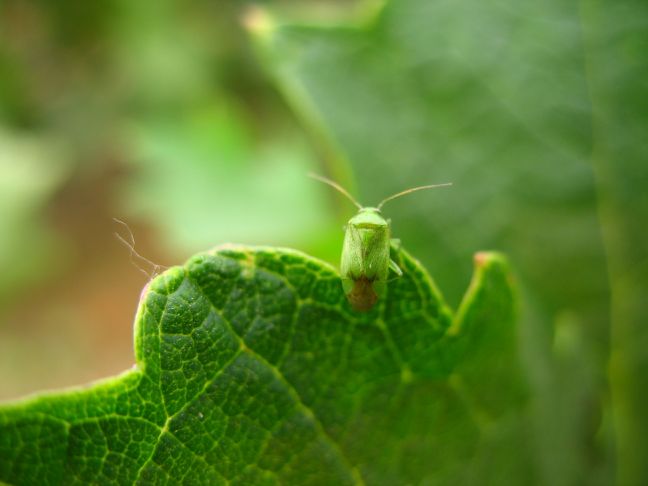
[[492, 96], [253, 369], [492, 99]]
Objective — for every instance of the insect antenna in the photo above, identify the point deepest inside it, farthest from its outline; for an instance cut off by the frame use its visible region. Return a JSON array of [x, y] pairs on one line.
[[413, 189], [337, 186]]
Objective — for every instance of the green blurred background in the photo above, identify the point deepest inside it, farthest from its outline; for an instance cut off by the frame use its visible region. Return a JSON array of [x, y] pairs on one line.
[[196, 123]]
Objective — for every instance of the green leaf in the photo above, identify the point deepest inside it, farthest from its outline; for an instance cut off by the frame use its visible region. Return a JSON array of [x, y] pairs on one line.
[[253, 369]]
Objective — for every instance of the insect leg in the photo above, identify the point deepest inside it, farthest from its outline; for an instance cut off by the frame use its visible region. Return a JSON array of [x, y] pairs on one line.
[[393, 266], [394, 249]]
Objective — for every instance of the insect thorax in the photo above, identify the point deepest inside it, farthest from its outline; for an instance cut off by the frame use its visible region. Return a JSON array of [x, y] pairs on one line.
[[369, 218], [365, 252]]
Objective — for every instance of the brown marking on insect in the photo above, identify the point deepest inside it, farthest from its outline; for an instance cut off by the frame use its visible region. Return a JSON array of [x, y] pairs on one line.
[[362, 296]]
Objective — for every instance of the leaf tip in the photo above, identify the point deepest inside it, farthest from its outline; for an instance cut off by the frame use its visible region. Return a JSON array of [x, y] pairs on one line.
[[484, 258]]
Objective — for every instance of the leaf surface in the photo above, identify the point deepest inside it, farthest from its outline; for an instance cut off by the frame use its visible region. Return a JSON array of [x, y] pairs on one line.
[[253, 369]]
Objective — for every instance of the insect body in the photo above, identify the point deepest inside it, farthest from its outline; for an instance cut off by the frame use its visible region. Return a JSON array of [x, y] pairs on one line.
[[365, 258], [366, 263]]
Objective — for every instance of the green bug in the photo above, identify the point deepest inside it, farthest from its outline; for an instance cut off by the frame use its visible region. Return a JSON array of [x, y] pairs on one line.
[[365, 263]]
